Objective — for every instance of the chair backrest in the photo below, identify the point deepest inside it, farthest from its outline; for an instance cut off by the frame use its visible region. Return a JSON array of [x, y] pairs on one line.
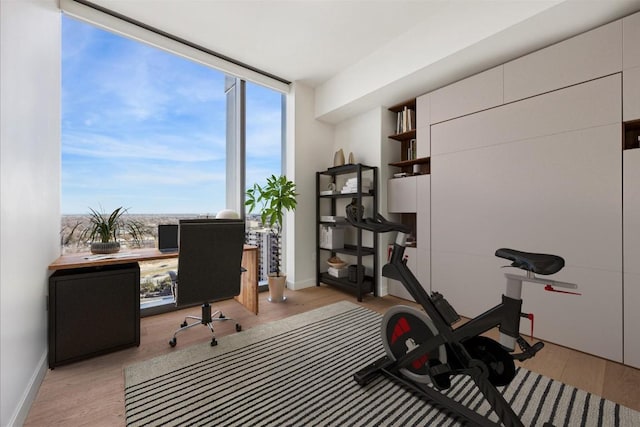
[[209, 261]]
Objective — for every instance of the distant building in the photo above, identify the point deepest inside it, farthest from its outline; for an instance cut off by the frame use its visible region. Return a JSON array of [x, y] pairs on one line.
[[267, 247]]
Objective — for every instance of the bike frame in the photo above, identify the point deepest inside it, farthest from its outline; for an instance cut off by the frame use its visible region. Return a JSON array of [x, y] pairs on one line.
[[506, 315]]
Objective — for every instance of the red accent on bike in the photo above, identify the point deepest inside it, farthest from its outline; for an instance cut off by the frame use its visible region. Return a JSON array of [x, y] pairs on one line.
[[552, 289], [419, 363], [401, 328]]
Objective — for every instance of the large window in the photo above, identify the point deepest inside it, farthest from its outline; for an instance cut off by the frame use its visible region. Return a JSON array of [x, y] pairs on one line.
[[141, 128], [264, 134], [157, 134]]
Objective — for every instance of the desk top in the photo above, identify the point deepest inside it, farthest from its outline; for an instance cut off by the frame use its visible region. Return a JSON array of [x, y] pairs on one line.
[[86, 259]]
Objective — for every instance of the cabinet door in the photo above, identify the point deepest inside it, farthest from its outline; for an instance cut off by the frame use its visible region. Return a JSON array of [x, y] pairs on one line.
[[631, 94], [93, 313], [475, 93], [401, 195], [423, 141], [584, 57], [631, 239], [423, 229], [423, 122], [630, 45], [423, 212], [423, 111]]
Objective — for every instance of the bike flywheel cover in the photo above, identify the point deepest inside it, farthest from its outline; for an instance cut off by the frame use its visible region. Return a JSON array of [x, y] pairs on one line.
[[404, 328], [499, 361]]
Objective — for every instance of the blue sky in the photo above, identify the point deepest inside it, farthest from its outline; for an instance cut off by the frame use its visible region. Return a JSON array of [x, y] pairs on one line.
[[145, 129]]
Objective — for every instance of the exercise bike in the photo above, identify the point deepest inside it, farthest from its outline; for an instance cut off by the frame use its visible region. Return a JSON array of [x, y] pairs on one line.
[[423, 350]]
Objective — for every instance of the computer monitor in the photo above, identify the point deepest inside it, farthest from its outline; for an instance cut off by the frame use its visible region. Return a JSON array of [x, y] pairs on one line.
[[168, 238]]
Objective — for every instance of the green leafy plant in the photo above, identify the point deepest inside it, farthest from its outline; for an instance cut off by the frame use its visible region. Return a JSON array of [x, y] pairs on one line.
[[273, 199], [106, 228]]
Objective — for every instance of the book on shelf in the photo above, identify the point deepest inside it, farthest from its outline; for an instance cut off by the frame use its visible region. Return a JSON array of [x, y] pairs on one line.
[[411, 150], [406, 120]]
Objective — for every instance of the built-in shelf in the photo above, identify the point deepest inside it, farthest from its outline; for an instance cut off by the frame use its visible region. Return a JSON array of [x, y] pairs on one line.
[[404, 136], [631, 135], [418, 161], [407, 165]]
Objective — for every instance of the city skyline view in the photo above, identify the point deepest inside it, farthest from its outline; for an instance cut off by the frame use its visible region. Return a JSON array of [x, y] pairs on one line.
[[146, 129]]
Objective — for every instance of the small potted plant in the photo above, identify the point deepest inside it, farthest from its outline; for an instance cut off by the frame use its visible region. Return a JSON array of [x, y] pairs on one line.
[[274, 198], [104, 230]]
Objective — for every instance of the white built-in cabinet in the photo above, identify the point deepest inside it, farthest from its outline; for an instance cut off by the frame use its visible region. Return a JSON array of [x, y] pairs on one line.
[[538, 175], [631, 189], [631, 221], [631, 93], [587, 56], [631, 67], [476, 93], [423, 123], [528, 155], [408, 192], [401, 195], [415, 200]]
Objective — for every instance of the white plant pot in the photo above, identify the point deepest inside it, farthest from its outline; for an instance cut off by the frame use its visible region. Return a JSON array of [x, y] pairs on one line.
[[276, 288]]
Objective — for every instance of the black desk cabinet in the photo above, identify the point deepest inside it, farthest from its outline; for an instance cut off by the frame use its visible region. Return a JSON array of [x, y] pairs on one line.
[[93, 311]]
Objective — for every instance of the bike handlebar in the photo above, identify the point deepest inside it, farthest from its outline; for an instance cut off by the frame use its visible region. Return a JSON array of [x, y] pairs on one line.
[[379, 224]]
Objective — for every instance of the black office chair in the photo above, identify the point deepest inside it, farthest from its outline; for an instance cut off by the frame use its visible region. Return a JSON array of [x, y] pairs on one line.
[[209, 268]]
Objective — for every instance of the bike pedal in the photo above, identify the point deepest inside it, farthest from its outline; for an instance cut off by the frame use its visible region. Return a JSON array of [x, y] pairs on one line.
[[528, 351], [440, 375], [439, 369]]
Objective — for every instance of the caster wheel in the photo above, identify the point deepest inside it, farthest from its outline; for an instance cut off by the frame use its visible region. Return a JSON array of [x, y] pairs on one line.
[[214, 342], [238, 327], [172, 342], [183, 324]]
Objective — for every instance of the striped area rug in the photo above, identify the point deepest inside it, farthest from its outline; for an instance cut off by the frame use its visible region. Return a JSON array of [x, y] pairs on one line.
[[298, 372]]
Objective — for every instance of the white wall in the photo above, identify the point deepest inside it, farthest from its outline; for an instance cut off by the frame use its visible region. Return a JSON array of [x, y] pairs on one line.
[[309, 145], [29, 196]]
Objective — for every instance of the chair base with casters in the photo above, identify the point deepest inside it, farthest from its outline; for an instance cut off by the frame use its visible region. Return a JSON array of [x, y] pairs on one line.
[[207, 319]]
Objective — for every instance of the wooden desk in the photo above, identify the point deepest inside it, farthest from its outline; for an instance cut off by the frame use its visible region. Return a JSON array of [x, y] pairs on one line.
[[248, 288], [94, 302]]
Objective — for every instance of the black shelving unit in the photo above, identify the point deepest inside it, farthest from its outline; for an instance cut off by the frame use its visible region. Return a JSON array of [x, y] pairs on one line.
[[327, 204]]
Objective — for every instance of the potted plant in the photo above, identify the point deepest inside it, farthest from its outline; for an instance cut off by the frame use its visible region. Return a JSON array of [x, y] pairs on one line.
[[104, 230], [274, 198]]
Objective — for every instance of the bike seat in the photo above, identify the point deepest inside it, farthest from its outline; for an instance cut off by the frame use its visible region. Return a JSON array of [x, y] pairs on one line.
[[537, 263]]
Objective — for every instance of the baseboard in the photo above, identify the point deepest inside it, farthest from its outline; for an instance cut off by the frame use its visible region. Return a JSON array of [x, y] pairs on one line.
[[29, 396], [301, 284]]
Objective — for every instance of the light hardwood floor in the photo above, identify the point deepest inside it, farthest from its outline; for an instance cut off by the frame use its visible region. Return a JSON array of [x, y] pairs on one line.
[[90, 393]]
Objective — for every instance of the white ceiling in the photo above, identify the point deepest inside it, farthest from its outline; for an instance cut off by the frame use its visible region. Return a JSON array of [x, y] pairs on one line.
[[317, 42], [297, 40]]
